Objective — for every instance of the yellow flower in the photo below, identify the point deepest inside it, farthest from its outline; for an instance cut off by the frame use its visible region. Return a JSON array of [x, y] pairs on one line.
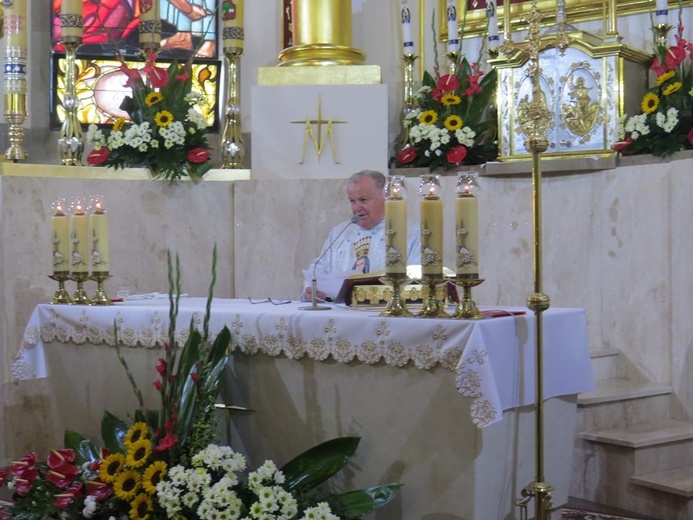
[[675, 86], [453, 122], [163, 118], [127, 484], [665, 76], [119, 124], [153, 98], [138, 431], [111, 466], [450, 99], [650, 102], [141, 507], [153, 475], [138, 453], [428, 117]]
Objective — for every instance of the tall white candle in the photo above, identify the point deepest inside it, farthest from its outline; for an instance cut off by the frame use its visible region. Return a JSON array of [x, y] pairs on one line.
[[407, 39], [492, 16], [431, 227], [232, 19], [60, 238], [150, 24], [71, 19], [98, 222], [79, 238], [15, 25], [467, 225], [453, 40], [662, 11], [395, 227]]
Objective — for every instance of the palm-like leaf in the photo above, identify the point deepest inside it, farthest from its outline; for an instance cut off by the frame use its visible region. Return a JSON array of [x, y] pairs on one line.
[[358, 503], [314, 466]]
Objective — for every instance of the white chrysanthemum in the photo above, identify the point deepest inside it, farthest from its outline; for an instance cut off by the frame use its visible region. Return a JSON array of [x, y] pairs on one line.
[[174, 134], [195, 98], [197, 119], [465, 136], [95, 136], [89, 506], [669, 121], [115, 140]]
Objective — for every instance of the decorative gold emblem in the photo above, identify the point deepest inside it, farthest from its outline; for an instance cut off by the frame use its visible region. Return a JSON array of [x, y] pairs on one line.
[[580, 113], [319, 141]]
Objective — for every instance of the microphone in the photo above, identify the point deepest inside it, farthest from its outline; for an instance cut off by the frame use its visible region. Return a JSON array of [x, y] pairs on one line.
[[314, 282]]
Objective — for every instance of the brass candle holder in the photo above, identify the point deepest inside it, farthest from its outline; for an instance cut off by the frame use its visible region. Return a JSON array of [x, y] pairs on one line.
[[454, 58], [433, 306], [661, 33], [61, 296], [80, 296], [100, 298], [403, 141], [71, 140], [467, 309], [232, 148], [396, 305]]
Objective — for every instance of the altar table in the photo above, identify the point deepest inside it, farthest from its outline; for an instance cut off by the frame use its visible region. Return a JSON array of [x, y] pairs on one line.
[[426, 395]]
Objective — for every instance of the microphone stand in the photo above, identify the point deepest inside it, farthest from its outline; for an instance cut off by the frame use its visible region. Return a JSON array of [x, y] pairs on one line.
[[314, 282]]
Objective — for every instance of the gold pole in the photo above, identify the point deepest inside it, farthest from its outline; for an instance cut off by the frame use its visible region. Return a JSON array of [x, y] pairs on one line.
[[403, 139], [71, 140], [232, 149]]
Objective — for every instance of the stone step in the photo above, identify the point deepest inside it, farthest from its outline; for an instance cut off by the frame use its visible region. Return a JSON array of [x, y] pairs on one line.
[[617, 389], [678, 481], [642, 435]]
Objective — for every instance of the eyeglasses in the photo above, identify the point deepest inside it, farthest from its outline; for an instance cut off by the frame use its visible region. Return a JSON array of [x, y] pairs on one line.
[[276, 301]]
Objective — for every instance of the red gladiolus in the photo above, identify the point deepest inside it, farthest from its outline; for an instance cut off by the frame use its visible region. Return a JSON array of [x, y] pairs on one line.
[[622, 145], [195, 377], [170, 440], [184, 75], [456, 154], [198, 155], [134, 79], [448, 83], [98, 156], [406, 156], [157, 385], [161, 367]]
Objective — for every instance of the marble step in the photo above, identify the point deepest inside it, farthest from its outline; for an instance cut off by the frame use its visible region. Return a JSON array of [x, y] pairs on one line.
[[678, 481], [643, 435], [617, 389]]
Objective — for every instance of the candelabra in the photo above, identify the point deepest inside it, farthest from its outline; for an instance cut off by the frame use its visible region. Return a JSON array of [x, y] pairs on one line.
[[536, 143], [403, 139], [232, 149], [454, 60], [15, 114], [71, 140]]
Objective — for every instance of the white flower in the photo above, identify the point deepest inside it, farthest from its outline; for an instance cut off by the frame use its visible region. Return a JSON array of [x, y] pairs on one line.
[[89, 506], [465, 136], [197, 119], [95, 136]]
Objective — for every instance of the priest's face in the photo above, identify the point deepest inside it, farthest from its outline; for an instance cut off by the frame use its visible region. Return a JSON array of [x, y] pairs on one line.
[[366, 201]]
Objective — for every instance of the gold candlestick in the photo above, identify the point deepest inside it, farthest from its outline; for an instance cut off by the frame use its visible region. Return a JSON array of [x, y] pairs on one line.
[[15, 114], [100, 298], [433, 307], [61, 296], [80, 295], [71, 140], [467, 309], [396, 306], [454, 58], [661, 31], [232, 148], [403, 139]]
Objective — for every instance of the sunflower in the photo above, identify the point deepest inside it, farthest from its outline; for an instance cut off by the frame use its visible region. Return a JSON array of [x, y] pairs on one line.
[[428, 117], [138, 431], [111, 466], [163, 118], [119, 124], [154, 474], [650, 102], [138, 453], [153, 98], [453, 122], [665, 77], [127, 484], [675, 86], [450, 99], [141, 507]]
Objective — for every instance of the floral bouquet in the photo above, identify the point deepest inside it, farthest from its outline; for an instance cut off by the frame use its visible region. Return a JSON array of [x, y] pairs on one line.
[[167, 129], [450, 123], [166, 466], [665, 124]]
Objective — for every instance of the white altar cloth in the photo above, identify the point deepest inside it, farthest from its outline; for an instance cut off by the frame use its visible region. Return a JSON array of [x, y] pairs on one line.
[[493, 359]]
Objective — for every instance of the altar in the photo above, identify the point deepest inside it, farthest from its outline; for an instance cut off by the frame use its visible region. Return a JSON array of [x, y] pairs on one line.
[[443, 406]]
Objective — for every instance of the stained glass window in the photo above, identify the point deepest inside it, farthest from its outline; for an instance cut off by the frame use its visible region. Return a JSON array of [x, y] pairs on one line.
[[110, 30]]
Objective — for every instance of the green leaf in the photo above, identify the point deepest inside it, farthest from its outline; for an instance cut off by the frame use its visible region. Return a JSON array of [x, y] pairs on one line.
[[314, 466], [360, 502], [220, 347], [113, 431], [84, 449], [189, 355]]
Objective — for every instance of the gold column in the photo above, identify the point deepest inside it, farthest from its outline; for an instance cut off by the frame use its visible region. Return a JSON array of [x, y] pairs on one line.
[[321, 34]]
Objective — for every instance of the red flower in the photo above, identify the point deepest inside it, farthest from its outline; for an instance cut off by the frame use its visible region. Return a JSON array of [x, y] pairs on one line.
[[406, 156], [158, 76], [436, 93], [99, 489], [26, 463], [62, 475], [448, 83], [161, 367], [184, 74], [690, 136], [622, 145], [170, 440], [456, 154], [58, 457], [23, 484], [657, 67], [134, 80], [473, 87], [198, 155], [195, 377], [675, 55], [157, 385], [63, 500], [3, 475], [98, 156]]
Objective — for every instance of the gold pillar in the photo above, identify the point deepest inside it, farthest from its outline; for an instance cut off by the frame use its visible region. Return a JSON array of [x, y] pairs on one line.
[[321, 34]]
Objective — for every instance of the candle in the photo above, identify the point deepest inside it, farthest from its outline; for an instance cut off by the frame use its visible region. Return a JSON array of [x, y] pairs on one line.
[[150, 24], [98, 221], [662, 11], [492, 16], [60, 237], [232, 20], [79, 238], [431, 227], [71, 20], [15, 29], [467, 226], [453, 41], [395, 227], [407, 39]]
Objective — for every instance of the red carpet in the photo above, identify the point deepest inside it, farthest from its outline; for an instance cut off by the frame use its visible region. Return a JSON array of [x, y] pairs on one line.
[[568, 513]]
